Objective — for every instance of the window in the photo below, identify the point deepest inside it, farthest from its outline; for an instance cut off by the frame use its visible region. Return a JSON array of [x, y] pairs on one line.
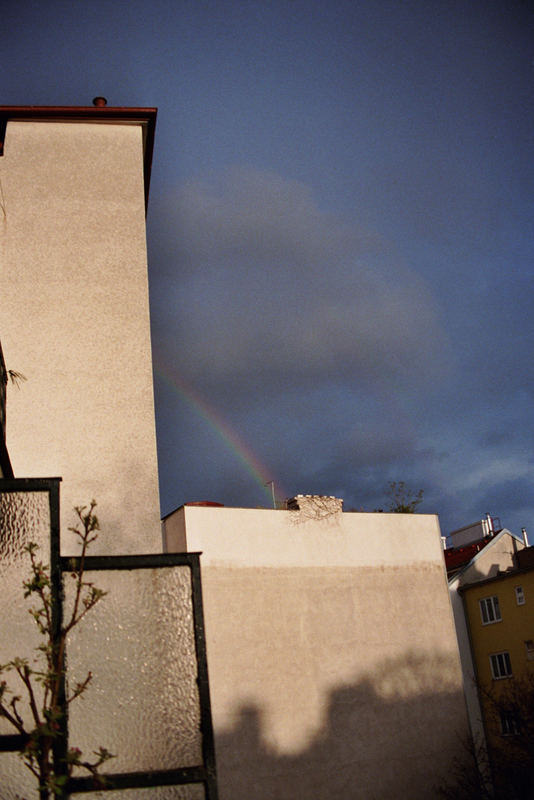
[[501, 666], [529, 646], [519, 596], [489, 610], [510, 723]]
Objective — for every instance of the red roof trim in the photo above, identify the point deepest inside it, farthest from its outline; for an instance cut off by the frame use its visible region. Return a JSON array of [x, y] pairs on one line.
[[458, 556]]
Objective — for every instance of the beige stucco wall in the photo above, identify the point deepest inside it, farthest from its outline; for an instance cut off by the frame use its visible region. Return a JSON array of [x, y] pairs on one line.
[[333, 662], [249, 537], [74, 320]]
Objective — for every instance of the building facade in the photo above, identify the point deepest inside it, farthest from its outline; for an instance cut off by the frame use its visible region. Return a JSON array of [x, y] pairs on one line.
[[333, 661], [74, 310], [499, 612], [471, 563]]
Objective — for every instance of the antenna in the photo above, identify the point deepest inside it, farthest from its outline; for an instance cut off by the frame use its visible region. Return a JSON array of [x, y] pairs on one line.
[[271, 484]]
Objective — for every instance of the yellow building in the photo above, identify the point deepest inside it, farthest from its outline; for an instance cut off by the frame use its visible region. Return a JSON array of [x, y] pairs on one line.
[[499, 613]]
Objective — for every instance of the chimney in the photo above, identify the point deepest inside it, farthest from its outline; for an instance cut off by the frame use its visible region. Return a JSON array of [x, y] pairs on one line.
[[316, 506], [525, 537]]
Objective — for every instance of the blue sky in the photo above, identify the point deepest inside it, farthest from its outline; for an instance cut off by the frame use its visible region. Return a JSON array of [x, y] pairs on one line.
[[340, 237]]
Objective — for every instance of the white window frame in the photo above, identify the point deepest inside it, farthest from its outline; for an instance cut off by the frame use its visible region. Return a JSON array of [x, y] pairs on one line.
[[501, 666], [490, 610], [519, 596]]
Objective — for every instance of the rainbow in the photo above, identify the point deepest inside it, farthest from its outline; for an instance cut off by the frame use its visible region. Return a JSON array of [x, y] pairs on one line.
[[227, 435]]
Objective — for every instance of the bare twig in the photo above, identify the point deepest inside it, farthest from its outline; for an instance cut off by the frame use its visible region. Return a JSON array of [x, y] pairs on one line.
[[47, 712]]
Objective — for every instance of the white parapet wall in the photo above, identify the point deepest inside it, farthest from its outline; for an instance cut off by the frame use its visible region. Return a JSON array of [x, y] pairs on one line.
[[74, 316], [333, 661]]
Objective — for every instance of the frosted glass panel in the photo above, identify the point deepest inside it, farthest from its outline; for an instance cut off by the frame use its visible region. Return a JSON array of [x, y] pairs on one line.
[[24, 518], [190, 792], [138, 642], [16, 780]]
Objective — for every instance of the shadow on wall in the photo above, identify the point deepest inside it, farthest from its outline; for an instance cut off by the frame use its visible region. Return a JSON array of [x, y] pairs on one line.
[[374, 745]]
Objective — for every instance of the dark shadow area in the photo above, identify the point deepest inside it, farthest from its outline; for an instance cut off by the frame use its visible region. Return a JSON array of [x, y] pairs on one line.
[[371, 747]]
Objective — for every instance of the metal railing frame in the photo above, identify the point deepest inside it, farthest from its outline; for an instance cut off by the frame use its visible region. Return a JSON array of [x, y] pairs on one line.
[[204, 773]]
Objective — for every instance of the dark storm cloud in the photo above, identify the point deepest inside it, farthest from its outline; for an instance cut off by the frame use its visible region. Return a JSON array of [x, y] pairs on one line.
[[270, 287], [356, 306]]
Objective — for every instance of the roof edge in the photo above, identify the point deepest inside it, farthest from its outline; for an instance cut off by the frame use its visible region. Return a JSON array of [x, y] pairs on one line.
[[144, 116]]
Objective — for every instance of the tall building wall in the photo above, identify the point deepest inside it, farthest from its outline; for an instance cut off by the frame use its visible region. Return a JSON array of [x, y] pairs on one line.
[[74, 316], [333, 662]]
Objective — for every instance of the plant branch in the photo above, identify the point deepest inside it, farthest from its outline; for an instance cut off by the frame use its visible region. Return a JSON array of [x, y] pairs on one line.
[[39, 751], [24, 672]]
